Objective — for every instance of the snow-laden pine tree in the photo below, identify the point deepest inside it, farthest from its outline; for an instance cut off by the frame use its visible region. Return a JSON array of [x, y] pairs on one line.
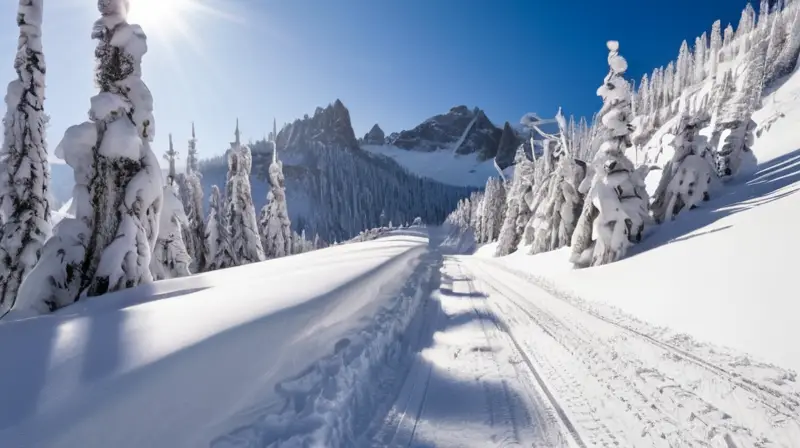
[[686, 179], [276, 227], [734, 126], [118, 190], [516, 205], [700, 59], [714, 48], [241, 213], [787, 57], [170, 257], [218, 243], [557, 214], [193, 206], [493, 209], [615, 210], [24, 171]]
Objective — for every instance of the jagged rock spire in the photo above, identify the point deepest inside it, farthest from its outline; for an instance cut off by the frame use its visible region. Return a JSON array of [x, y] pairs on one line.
[[238, 135]]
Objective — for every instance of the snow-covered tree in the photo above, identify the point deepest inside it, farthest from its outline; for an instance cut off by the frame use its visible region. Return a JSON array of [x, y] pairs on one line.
[[193, 207], [557, 214], [682, 78], [24, 171], [615, 210], [734, 126], [241, 213], [714, 48], [727, 44], [118, 190], [516, 205], [276, 228], [170, 258], [787, 57], [686, 179], [644, 96], [700, 59], [747, 24], [218, 243], [669, 80]]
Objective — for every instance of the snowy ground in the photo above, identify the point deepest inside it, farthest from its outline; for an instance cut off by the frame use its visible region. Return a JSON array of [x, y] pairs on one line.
[[385, 343], [442, 166]]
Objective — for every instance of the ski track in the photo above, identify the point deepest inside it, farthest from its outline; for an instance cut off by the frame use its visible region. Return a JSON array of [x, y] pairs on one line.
[[620, 387], [468, 348]]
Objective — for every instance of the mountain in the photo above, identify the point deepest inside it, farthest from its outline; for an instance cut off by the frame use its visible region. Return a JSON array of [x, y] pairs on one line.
[[460, 130], [334, 188]]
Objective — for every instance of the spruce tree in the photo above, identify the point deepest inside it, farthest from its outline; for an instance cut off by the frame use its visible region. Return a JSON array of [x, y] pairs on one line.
[[118, 186], [218, 243], [276, 227], [196, 225], [170, 257], [24, 171], [714, 48], [241, 214], [615, 210]]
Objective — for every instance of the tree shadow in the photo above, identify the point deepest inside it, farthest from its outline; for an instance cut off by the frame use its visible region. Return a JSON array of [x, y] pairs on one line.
[[772, 180]]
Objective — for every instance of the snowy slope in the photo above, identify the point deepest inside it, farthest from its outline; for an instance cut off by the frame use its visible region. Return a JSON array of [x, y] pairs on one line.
[[214, 358], [442, 165], [724, 273]]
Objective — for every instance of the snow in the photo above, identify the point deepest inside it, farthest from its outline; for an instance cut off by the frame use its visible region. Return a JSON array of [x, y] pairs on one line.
[[733, 257], [442, 166], [181, 362]]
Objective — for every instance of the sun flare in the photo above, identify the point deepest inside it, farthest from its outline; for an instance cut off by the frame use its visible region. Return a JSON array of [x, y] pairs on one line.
[[159, 14]]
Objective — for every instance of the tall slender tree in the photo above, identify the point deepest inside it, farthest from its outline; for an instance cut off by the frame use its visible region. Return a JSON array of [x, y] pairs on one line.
[[700, 46], [24, 171], [170, 257], [714, 48], [193, 206], [220, 253], [241, 213], [118, 183], [276, 228]]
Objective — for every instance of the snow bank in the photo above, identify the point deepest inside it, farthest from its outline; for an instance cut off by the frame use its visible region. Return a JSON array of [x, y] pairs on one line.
[[180, 362]]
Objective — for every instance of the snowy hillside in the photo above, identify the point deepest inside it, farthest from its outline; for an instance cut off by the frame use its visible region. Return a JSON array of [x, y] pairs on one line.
[[441, 166], [722, 272]]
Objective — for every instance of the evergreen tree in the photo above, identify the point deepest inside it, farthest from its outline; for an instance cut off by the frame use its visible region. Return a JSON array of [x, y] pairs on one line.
[[682, 78], [699, 59], [686, 178], [193, 206], [727, 44], [241, 213], [24, 171], [170, 257], [715, 47], [276, 228], [787, 58], [118, 187], [669, 80], [509, 234], [615, 210], [218, 243], [644, 96], [746, 25]]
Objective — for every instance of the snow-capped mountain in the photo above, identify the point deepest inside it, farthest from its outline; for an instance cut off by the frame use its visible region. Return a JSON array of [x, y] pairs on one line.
[[333, 187], [460, 130]]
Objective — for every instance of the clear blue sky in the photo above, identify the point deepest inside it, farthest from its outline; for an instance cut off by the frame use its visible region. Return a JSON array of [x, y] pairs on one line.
[[391, 62]]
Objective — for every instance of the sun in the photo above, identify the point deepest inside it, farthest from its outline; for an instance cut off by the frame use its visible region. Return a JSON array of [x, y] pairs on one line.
[[159, 15]]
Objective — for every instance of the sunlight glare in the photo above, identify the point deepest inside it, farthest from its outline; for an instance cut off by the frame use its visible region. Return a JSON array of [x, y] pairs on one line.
[[158, 14]]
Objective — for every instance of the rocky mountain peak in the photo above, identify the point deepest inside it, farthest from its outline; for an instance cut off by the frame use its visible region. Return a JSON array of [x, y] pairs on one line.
[[461, 129], [375, 136], [330, 126]]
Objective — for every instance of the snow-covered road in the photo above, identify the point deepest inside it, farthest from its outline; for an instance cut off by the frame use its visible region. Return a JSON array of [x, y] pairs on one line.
[[503, 361]]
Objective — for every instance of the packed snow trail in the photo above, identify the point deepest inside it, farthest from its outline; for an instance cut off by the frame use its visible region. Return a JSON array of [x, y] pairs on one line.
[[619, 387], [467, 383]]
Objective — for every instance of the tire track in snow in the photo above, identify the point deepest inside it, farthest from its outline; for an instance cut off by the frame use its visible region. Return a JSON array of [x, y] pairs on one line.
[[676, 414], [554, 410], [780, 402]]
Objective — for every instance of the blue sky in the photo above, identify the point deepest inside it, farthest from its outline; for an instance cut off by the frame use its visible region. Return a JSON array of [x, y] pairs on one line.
[[391, 62]]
